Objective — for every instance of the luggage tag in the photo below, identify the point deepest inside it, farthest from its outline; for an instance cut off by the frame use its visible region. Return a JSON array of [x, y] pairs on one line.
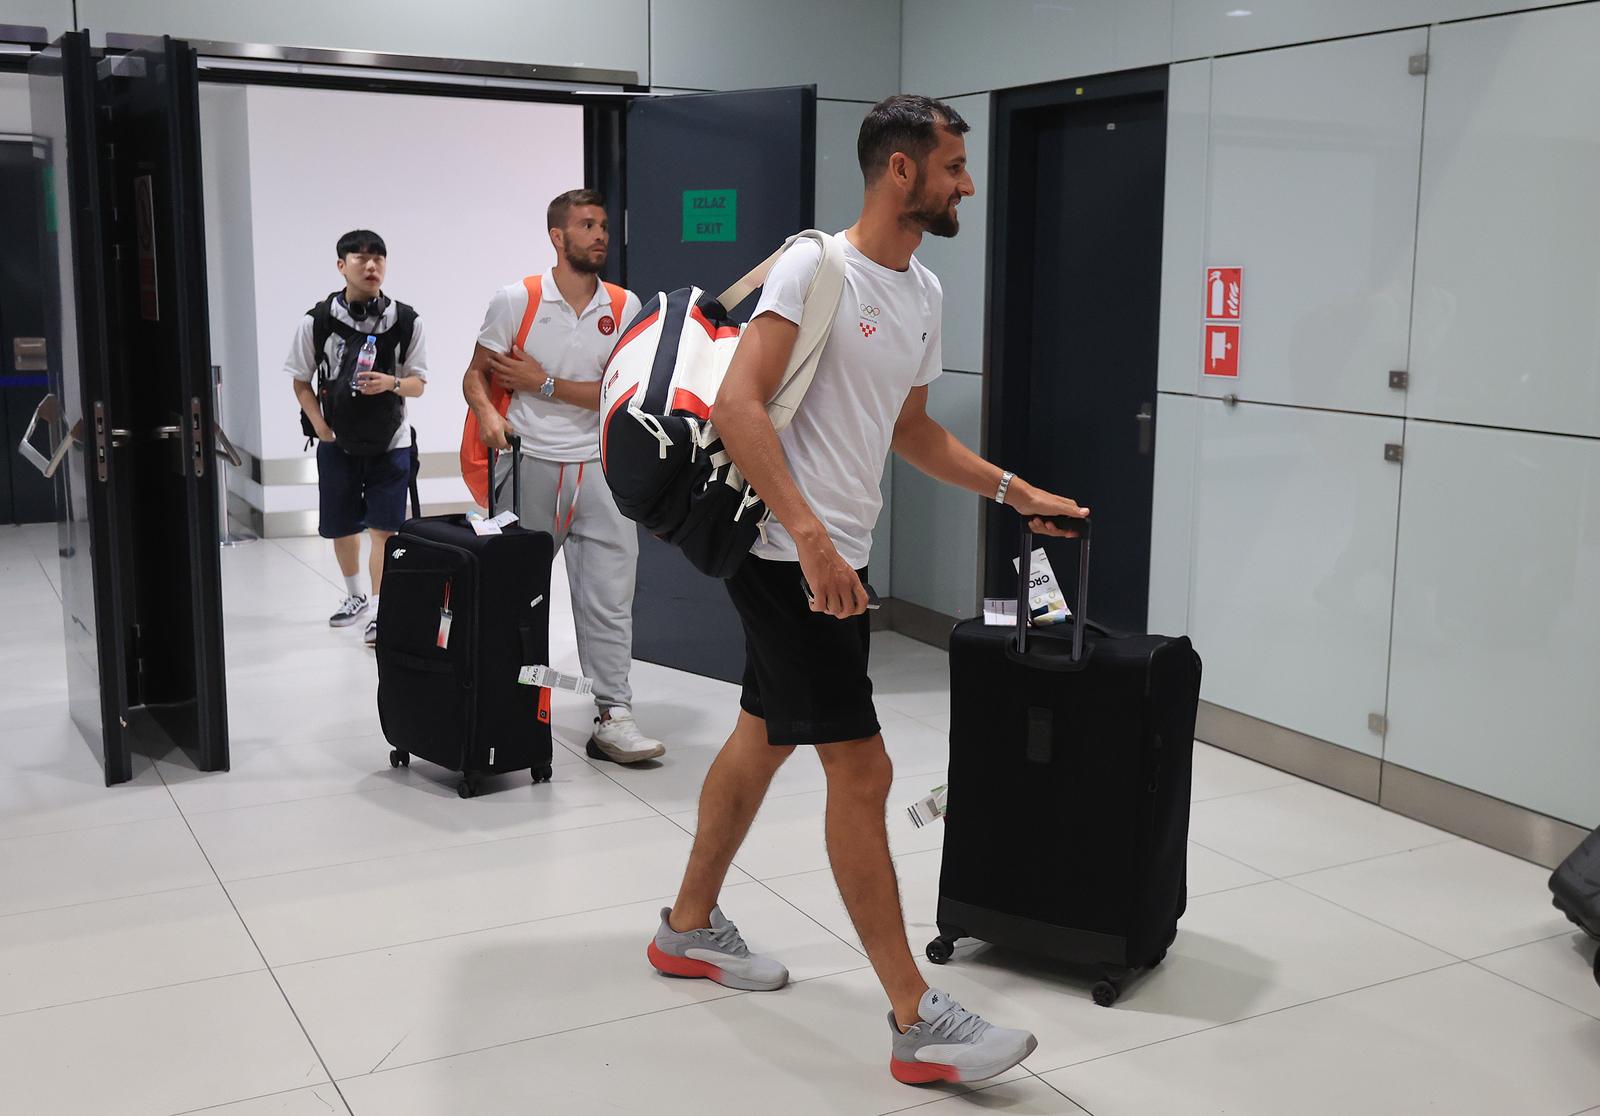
[[495, 526], [445, 616], [930, 808], [551, 679]]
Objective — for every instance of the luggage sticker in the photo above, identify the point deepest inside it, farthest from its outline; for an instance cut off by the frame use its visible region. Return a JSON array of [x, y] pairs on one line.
[[443, 641]]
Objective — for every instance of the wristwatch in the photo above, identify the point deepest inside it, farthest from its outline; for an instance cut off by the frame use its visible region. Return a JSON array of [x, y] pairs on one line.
[[548, 388], [1006, 477]]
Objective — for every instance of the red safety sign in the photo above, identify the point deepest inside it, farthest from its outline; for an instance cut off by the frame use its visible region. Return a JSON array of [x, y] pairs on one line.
[[1222, 350], [1224, 292]]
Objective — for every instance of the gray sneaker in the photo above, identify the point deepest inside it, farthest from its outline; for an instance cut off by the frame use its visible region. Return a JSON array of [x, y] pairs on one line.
[[950, 1043], [717, 953]]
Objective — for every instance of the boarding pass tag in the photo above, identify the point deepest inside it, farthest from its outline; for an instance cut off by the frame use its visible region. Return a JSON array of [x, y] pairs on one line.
[[484, 526], [504, 519], [930, 808], [445, 616], [552, 679]]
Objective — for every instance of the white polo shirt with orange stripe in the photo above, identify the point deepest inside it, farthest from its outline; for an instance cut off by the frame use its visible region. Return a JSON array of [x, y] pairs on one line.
[[569, 346]]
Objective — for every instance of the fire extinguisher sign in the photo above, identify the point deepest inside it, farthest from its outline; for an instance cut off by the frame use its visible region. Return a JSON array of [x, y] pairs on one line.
[[1224, 300]]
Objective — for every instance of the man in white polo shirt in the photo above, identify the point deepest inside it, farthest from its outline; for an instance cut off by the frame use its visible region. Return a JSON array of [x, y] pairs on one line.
[[545, 339]]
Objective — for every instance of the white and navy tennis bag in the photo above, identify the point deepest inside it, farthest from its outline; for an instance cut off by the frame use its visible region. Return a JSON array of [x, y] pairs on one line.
[[658, 448]]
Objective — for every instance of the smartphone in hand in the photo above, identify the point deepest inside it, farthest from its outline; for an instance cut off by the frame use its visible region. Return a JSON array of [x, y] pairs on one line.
[[872, 594]]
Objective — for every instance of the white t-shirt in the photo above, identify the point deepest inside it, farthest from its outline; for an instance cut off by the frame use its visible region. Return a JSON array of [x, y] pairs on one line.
[[301, 363], [568, 346], [885, 341]]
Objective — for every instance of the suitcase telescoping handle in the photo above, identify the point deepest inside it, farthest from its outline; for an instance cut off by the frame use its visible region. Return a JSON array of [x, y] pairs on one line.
[[1081, 527], [516, 474]]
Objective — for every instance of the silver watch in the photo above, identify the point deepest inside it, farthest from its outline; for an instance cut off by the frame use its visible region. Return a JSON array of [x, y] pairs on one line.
[[1006, 477], [548, 388]]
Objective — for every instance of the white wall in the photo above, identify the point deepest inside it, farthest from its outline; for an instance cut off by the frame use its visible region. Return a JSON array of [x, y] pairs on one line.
[[230, 269], [15, 115], [55, 16], [1298, 536], [462, 213]]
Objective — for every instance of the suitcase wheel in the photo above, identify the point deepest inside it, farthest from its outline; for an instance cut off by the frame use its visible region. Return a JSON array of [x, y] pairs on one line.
[[397, 758], [1105, 993], [467, 787], [542, 774], [940, 950]]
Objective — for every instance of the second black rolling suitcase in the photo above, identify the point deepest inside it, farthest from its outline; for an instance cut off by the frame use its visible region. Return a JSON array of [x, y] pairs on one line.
[[460, 616], [1576, 888], [1068, 813]]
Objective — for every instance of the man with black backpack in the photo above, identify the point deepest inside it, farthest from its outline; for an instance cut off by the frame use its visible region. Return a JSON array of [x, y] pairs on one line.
[[357, 356]]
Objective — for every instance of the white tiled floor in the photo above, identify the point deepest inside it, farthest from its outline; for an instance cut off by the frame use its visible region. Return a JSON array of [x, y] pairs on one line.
[[314, 932]]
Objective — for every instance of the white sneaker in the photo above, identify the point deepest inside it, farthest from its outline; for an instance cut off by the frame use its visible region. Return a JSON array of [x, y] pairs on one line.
[[617, 738], [351, 609]]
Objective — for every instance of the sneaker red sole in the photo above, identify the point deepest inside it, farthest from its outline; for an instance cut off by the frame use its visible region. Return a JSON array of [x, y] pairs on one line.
[[920, 1073], [682, 966]]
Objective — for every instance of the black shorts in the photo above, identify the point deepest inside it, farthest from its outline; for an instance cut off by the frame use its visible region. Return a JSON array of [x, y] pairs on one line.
[[805, 673], [357, 493]]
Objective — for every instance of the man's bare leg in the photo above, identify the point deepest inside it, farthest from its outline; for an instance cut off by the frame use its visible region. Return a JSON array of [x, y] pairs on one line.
[[733, 791], [859, 773]]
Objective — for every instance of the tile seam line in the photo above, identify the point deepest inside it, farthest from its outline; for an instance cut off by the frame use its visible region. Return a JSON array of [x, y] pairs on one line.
[[1251, 1018], [276, 983], [733, 994]]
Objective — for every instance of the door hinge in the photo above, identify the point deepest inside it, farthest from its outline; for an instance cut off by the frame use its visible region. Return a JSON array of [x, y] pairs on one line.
[[1394, 453], [1400, 380], [1418, 64], [1377, 724]]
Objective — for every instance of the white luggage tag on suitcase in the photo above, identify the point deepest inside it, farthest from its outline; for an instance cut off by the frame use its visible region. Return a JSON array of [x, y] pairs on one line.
[[551, 679], [929, 809]]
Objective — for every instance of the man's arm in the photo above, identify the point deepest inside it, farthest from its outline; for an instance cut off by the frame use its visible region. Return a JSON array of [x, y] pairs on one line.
[[748, 435], [475, 387], [936, 452], [301, 363], [306, 396], [517, 371]]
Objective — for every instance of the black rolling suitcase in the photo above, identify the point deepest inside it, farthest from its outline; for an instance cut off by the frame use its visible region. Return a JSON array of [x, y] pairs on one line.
[[460, 615], [1067, 821], [1576, 887]]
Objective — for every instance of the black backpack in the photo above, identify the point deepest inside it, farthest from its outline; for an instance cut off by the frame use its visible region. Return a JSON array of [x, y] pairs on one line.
[[365, 424]]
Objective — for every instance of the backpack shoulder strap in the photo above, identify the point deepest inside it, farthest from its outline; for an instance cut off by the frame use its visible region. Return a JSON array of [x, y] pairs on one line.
[[535, 288], [405, 324], [816, 322], [619, 303]]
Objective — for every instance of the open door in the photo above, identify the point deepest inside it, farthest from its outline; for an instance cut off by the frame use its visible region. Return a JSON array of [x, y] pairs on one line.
[[714, 183], [127, 318]]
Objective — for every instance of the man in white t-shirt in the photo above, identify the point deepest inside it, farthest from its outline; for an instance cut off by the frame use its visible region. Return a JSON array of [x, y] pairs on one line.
[[365, 449], [545, 339], [806, 677]]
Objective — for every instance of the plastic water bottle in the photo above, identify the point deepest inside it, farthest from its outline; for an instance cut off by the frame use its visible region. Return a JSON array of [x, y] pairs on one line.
[[364, 363]]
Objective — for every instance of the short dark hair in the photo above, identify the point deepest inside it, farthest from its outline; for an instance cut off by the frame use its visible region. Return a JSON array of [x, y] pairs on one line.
[[556, 215], [905, 122], [362, 240]]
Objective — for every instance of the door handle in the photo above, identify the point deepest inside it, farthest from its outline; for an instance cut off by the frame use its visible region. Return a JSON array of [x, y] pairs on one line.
[[1146, 418], [49, 411]]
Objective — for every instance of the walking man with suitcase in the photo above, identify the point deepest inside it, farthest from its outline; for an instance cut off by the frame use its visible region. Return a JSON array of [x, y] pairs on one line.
[[805, 676], [545, 341], [357, 356]]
